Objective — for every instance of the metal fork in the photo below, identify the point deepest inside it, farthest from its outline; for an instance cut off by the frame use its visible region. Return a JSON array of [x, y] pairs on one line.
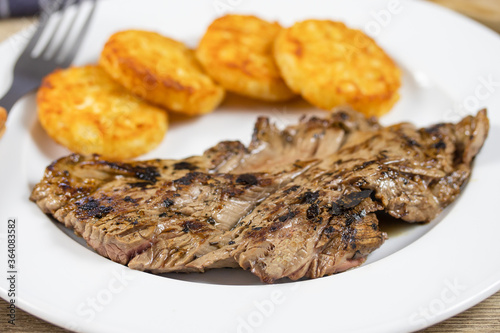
[[30, 69]]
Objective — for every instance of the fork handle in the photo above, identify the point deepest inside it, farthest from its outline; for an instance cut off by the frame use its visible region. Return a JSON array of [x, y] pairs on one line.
[[20, 86]]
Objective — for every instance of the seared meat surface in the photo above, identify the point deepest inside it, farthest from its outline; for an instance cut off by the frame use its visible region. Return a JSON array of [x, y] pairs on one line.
[[272, 149], [122, 209], [259, 207], [323, 221]]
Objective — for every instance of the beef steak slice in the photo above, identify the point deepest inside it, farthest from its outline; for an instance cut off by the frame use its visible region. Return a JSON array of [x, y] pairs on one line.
[[258, 207]]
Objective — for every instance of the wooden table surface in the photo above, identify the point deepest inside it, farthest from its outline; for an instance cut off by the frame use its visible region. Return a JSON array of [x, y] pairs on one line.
[[484, 317]]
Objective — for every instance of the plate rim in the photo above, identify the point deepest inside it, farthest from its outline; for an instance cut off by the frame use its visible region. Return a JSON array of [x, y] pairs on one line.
[[36, 307]]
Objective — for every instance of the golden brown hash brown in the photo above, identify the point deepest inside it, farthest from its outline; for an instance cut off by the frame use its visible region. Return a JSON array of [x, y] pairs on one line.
[[84, 109], [332, 65], [160, 70], [236, 51]]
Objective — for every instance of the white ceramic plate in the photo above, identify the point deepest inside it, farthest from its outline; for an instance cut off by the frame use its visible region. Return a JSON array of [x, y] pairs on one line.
[[422, 275]]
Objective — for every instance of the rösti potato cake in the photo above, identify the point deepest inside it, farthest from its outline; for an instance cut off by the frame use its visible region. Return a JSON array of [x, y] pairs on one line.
[[332, 65], [84, 109], [160, 70], [236, 51]]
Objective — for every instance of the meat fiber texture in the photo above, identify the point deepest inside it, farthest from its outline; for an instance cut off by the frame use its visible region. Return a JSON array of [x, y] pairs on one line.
[[298, 202]]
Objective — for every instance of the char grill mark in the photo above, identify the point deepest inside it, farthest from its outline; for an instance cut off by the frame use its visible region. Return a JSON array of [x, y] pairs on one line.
[[296, 220], [146, 173], [185, 166]]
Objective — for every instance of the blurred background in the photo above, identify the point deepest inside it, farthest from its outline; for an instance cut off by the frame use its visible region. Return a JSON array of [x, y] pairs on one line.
[[484, 11], [17, 14]]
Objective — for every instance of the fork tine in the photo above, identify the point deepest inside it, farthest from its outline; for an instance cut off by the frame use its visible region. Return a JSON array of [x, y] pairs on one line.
[[44, 19], [77, 42], [60, 19]]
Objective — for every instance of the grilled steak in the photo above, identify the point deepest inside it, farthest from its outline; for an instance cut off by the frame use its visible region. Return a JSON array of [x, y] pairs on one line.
[[115, 206], [259, 208], [272, 149], [323, 221]]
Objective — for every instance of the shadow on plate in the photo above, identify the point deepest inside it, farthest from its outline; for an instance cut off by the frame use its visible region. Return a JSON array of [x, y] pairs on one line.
[[240, 103]]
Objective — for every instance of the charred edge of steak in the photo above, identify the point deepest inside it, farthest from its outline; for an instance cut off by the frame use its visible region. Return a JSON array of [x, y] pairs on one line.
[[91, 207], [349, 201], [309, 197], [146, 173], [190, 177], [291, 189], [247, 179], [142, 185], [168, 202], [258, 232], [185, 166], [193, 226], [287, 216], [222, 152]]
